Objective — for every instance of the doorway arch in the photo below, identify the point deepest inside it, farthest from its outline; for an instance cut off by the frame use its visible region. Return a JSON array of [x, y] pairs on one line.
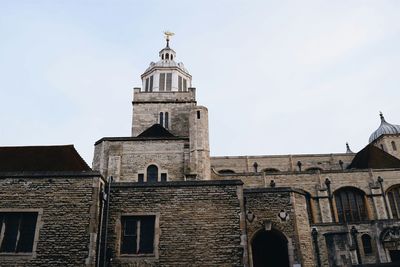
[[270, 248]]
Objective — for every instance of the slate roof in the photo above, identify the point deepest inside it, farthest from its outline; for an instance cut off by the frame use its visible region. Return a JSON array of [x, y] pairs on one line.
[[371, 157], [41, 159], [156, 131]]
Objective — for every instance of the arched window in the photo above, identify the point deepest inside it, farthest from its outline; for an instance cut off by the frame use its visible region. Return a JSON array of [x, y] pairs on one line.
[[166, 56], [394, 146], [255, 166], [366, 242], [152, 173], [350, 205], [226, 171], [161, 118], [393, 195], [162, 56], [172, 57]]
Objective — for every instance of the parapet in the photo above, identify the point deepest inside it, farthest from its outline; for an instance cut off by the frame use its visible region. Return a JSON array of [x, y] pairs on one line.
[[164, 96]]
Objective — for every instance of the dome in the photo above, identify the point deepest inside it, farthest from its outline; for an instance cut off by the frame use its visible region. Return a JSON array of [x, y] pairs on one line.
[[384, 128]]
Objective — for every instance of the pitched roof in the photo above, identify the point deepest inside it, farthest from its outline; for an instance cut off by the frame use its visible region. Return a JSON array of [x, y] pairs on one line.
[[41, 158], [156, 131], [371, 157]]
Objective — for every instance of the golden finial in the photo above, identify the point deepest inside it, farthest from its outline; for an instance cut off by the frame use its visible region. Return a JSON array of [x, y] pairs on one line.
[[168, 35]]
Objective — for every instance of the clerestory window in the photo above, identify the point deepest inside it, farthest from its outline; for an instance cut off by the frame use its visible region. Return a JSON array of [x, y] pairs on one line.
[[17, 231], [350, 205]]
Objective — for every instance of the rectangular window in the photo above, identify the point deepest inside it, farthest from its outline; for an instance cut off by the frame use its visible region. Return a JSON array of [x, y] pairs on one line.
[[162, 82], [17, 231], [163, 177], [137, 234], [151, 84], [169, 82], [198, 114], [184, 85], [180, 83], [140, 178]]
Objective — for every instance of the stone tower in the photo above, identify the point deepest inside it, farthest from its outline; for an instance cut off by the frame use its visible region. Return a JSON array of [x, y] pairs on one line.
[[387, 137], [169, 130]]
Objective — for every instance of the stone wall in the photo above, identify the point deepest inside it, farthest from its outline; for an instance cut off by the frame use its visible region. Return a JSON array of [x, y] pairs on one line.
[[266, 204], [200, 223], [125, 159], [68, 214], [285, 163]]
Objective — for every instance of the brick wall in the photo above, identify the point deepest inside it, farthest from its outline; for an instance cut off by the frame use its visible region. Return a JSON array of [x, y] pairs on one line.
[[199, 222], [68, 209]]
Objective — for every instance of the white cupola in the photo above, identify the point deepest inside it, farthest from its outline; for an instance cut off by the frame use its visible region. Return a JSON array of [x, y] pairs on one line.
[[166, 75]]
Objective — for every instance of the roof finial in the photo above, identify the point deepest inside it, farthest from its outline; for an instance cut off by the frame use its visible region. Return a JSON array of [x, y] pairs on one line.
[[168, 34], [348, 150], [381, 115]]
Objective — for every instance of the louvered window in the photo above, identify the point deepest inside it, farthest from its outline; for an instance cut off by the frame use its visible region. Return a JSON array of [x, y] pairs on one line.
[[179, 83], [151, 84], [162, 82], [169, 82]]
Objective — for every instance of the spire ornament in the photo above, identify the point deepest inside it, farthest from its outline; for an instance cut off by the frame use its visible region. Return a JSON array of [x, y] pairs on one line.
[[168, 35], [381, 115]]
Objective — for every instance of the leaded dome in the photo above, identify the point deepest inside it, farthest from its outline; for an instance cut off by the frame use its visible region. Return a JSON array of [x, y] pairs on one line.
[[384, 128]]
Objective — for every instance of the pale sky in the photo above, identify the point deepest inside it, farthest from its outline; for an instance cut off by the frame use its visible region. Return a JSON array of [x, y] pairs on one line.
[[278, 77]]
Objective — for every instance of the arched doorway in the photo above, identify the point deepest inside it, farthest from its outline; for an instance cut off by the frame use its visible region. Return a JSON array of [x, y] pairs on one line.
[[270, 248]]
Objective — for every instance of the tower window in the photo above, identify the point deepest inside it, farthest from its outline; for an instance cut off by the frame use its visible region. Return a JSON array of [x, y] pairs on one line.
[[394, 146], [169, 82], [152, 173], [198, 114], [162, 56], [162, 82], [184, 85], [166, 120], [172, 57], [382, 147], [179, 83], [161, 118], [166, 56], [151, 84], [147, 85]]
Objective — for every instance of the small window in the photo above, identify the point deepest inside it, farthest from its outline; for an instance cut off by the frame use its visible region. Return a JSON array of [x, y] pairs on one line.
[[166, 120], [394, 146], [198, 114], [137, 234], [226, 171], [147, 85], [152, 173], [163, 177], [166, 56], [162, 56], [366, 242], [18, 231], [255, 166], [172, 57], [140, 178], [382, 147], [161, 118]]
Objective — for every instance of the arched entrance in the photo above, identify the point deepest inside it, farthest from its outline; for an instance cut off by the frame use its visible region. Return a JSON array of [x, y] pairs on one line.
[[270, 249]]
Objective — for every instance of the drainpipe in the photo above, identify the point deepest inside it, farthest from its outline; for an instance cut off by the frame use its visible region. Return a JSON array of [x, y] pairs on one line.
[[354, 232], [314, 234], [330, 198], [106, 212], [380, 181], [102, 198]]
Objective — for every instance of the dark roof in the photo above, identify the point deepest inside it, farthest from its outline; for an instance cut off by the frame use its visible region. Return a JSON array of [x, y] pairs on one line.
[[156, 131], [41, 159], [371, 157]]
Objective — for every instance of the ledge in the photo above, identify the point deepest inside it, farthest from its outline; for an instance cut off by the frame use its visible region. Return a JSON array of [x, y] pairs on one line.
[[274, 190], [53, 174], [131, 138], [176, 183]]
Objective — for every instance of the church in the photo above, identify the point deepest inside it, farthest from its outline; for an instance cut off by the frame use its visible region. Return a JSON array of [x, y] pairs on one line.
[[157, 197]]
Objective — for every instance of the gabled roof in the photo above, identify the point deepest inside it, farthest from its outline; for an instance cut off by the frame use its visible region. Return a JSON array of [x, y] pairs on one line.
[[371, 157], [41, 159], [156, 131]]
